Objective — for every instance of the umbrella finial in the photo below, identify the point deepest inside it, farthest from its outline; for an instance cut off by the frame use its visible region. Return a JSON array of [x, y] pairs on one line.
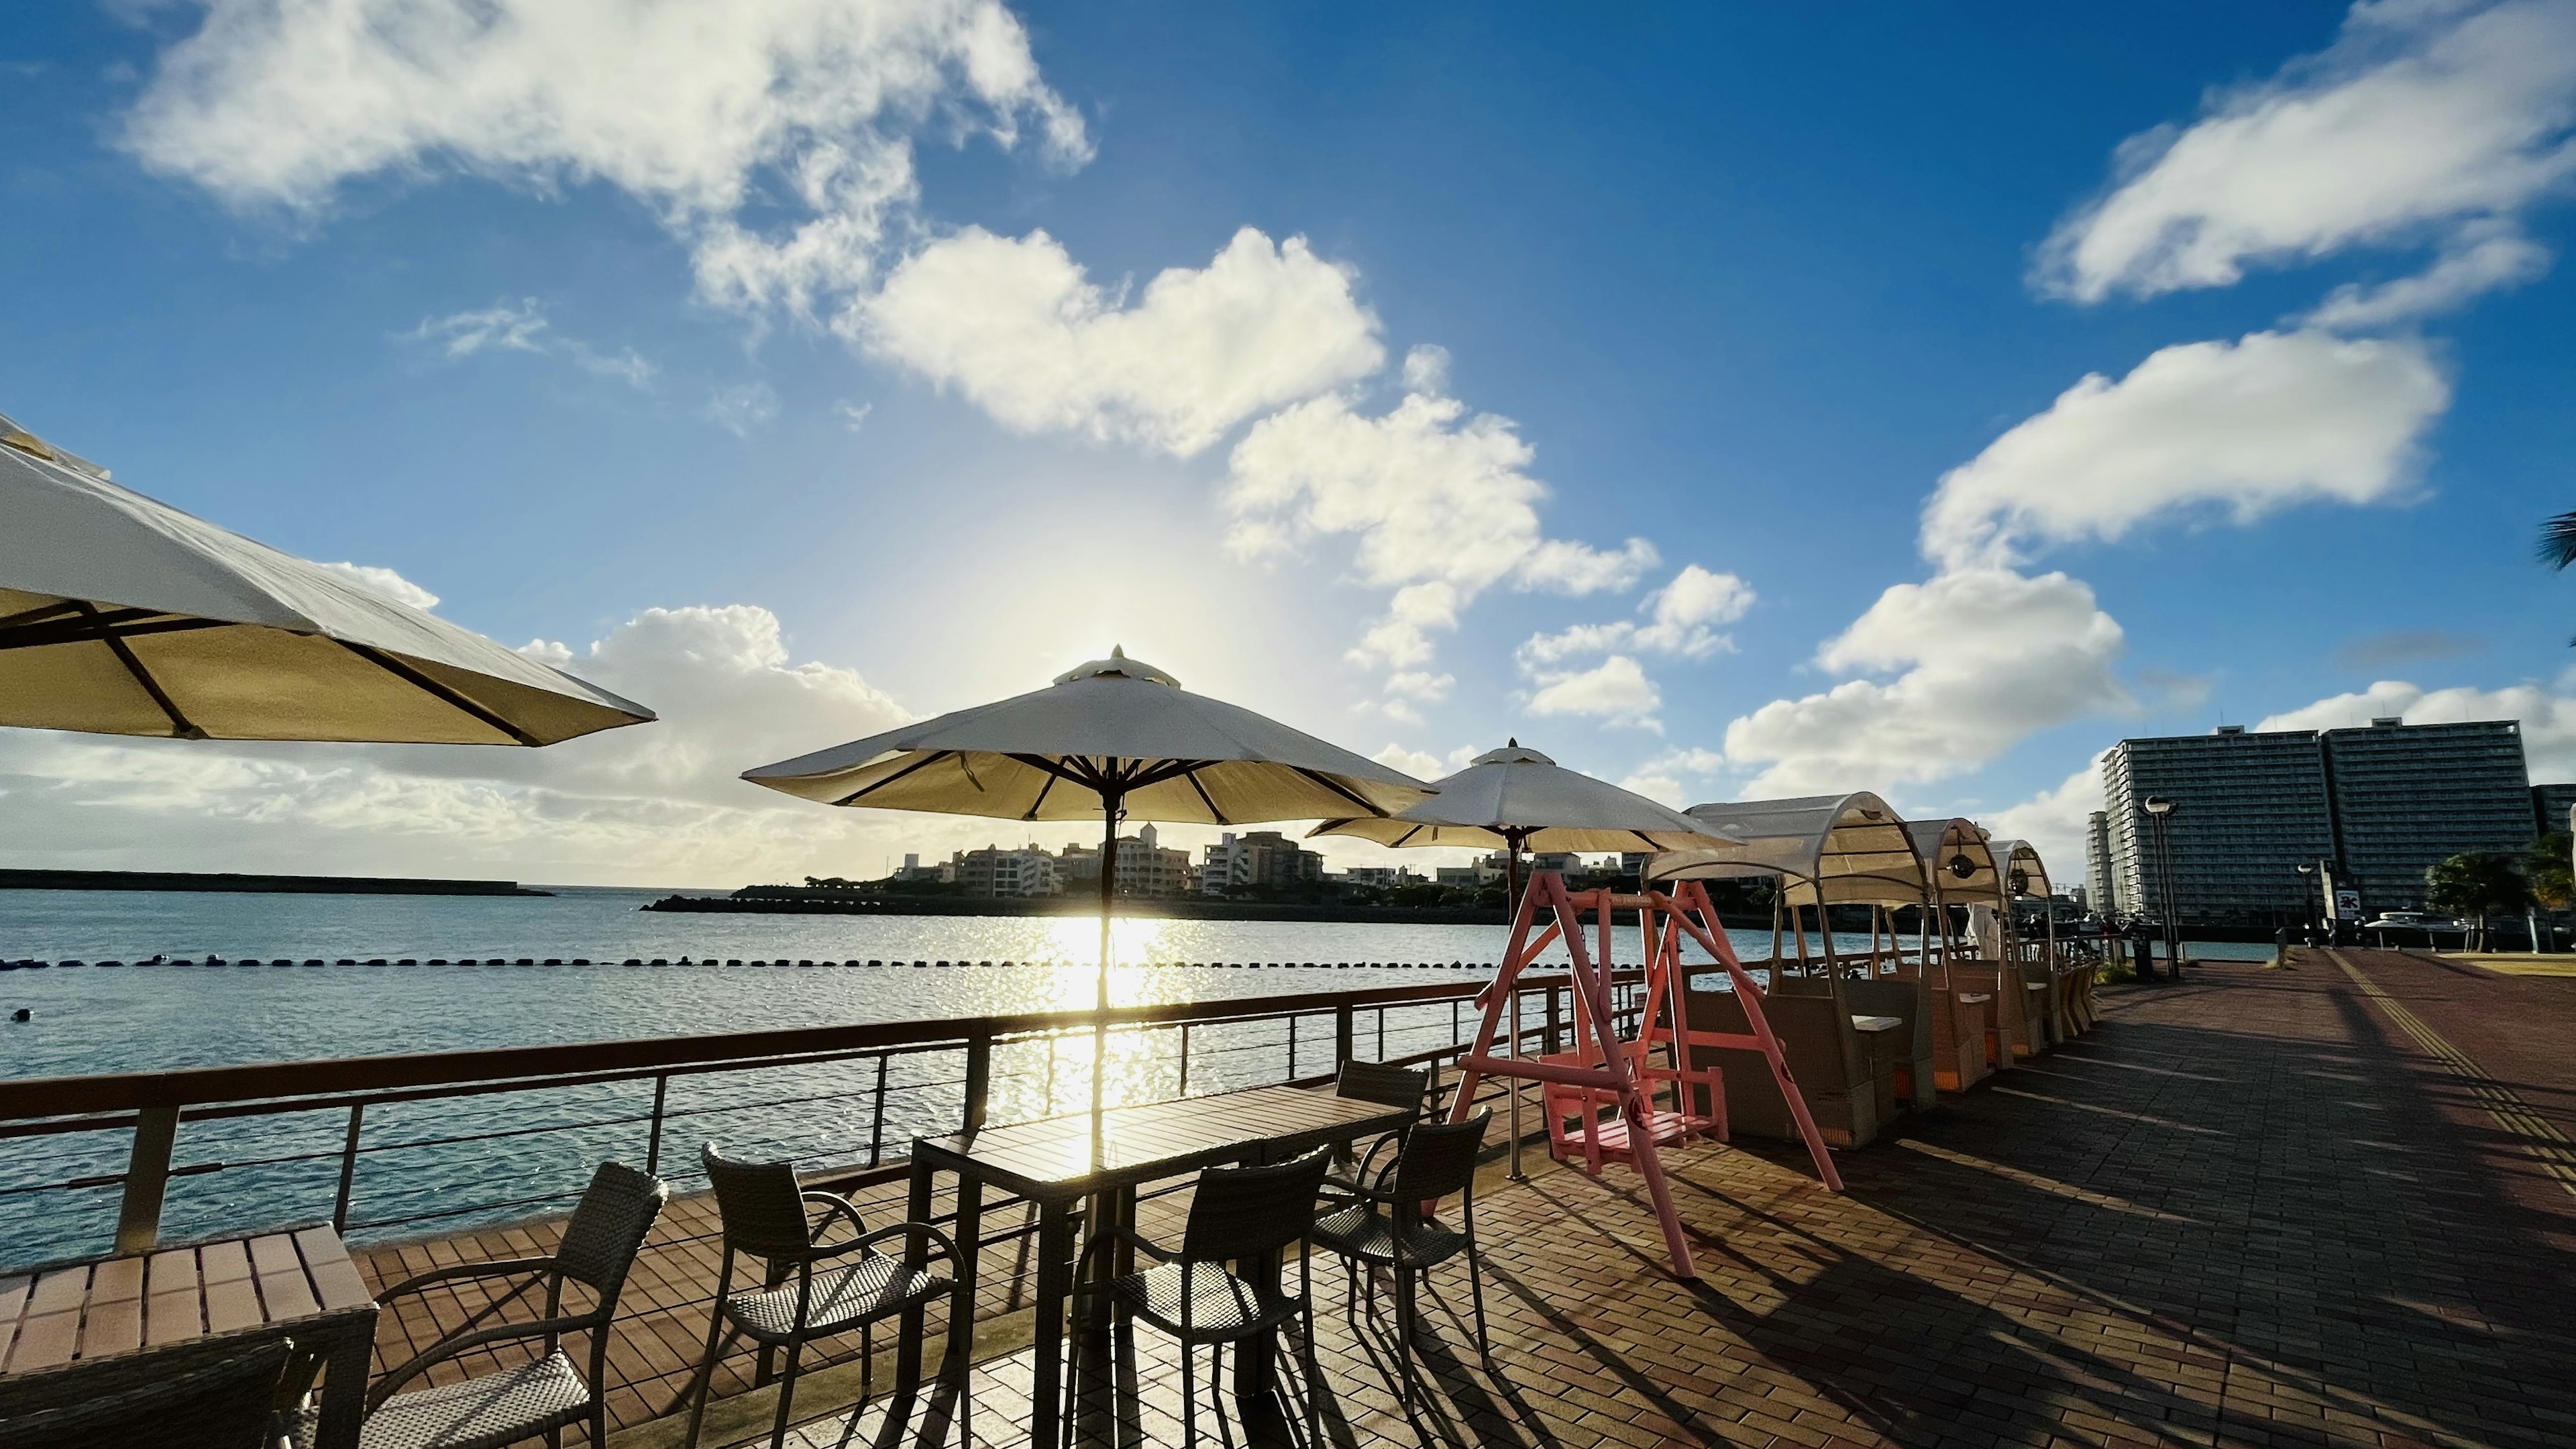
[[1117, 651], [1513, 743]]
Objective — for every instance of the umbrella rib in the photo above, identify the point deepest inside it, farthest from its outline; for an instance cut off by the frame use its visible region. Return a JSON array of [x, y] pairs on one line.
[[1192, 775], [434, 689], [1319, 778], [121, 622], [922, 764], [180, 724], [40, 612], [1035, 804]]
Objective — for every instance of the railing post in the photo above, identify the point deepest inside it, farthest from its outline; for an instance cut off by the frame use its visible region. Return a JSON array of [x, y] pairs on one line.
[[1555, 1024], [348, 1168], [1292, 1046], [1185, 1059], [876, 1133], [653, 1148], [147, 1177], [1517, 1048], [1342, 1036], [979, 1079]]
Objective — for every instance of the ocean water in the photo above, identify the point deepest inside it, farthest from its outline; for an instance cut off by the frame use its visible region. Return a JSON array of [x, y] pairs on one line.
[[410, 1180]]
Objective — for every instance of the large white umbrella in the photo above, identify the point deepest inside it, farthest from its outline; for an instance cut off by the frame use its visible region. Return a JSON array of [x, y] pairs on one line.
[[1113, 739], [1109, 739], [1519, 799], [123, 615]]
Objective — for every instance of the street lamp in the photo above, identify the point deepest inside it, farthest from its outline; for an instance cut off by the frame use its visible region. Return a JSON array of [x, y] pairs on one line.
[[2307, 900], [2160, 810]]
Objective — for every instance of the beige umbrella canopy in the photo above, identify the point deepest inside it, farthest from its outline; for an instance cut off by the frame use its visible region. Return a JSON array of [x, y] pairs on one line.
[[1112, 739], [1519, 799], [122, 615]]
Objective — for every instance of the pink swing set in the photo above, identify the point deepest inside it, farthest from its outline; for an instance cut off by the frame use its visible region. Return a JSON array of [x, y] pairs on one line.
[[1606, 1071]]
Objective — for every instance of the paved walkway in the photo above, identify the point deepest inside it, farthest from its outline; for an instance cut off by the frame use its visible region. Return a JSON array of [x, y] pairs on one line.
[[2255, 1208]]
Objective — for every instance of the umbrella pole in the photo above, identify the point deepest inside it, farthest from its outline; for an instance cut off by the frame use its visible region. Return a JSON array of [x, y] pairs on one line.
[[1112, 805]]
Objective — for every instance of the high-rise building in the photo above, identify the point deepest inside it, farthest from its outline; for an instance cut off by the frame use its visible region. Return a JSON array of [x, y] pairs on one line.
[[2376, 805], [2249, 809], [1145, 867], [2407, 797], [2097, 862], [2550, 805]]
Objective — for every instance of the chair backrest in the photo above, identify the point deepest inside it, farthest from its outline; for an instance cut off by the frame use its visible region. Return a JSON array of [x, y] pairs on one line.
[[1387, 1086], [215, 1399], [761, 1205], [1250, 1212], [608, 1229], [1439, 1159]]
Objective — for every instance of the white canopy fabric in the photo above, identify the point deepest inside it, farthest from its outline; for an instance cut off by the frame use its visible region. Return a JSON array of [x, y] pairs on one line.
[[2022, 872], [1829, 843], [122, 615], [1957, 858], [1113, 727], [1517, 797]]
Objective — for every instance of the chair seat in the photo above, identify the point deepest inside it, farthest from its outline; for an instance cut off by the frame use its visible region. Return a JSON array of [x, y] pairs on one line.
[[480, 1413], [1221, 1305], [874, 1287], [1369, 1235]]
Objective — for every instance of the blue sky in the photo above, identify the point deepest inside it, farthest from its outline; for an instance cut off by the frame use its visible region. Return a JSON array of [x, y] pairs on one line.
[[1983, 386]]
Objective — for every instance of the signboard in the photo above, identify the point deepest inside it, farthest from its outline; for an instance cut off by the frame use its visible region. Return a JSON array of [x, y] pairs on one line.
[[2347, 904]]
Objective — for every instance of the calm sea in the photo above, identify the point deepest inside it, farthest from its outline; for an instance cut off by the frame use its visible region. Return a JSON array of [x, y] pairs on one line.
[[93, 1019]]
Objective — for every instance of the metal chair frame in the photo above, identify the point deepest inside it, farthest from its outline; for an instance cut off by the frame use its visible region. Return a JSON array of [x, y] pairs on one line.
[[132, 1397], [765, 1214], [600, 1243], [1387, 1085], [1438, 1161], [1237, 1215]]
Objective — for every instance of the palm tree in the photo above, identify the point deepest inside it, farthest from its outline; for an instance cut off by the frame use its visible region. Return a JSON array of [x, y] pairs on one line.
[[2476, 884], [2558, 541]]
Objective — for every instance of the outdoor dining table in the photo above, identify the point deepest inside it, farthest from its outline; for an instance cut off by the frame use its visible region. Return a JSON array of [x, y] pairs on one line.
[[1058, 1161], [297, 1284]]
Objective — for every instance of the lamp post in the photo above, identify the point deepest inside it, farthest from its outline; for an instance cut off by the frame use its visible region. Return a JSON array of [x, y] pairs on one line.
[[2160, 810], [2307, 900]]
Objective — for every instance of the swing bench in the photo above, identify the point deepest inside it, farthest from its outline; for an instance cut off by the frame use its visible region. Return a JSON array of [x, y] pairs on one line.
[[1599, 1096]]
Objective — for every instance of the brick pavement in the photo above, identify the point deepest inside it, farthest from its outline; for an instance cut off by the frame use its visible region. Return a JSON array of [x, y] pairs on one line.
[[2248, 1210]]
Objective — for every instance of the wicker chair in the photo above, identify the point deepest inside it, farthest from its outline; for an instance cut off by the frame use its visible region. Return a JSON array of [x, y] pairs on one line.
[[1387, 1086], [765, 1211], [1237, 1214], [1388, 1230], [544, 1395], [225, 1394]]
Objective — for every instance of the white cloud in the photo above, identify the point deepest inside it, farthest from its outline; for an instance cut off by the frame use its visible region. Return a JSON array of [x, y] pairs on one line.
[[1440, 502], [1420, 764], [652, 804], [386, 582], [853, 416], [743, 407], [524, 328], [2483, 260], [1017, 326], [798, 108], [1681, 619], [2421, 119], [1981, 658], [1677, 777], [2547, 713], [1616, 691], [2053, 821], [2251, 426]]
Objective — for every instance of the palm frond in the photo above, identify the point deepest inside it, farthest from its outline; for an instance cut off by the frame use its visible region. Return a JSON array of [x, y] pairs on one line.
[[2558, 541]]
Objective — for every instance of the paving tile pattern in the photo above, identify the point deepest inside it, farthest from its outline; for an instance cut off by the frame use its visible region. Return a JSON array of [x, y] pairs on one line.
[[2246, 1211]]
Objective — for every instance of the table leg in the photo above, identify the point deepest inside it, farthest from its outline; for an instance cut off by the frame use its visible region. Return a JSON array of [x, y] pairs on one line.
[[916, 1254], [344, 1386], [1055, 1224]]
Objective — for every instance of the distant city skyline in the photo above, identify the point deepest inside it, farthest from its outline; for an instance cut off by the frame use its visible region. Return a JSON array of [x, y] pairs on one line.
[[1729, 401]]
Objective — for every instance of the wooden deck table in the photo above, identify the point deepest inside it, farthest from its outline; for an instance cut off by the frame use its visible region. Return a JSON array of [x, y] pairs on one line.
[[296, 1284], [1058, 1161]]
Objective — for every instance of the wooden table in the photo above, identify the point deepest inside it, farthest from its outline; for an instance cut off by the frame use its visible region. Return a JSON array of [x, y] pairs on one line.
[[1057, 1162], [295, 1284]]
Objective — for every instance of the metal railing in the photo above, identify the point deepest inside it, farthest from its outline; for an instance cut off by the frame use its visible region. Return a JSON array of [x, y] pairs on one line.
[[416, 1140]]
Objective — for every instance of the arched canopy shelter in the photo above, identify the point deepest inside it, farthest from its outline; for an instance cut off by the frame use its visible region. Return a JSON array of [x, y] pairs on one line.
[[2053, 1011], [1834, 849], [1960, 865]]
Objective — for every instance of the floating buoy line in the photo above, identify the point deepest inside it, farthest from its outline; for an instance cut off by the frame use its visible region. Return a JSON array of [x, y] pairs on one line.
[[211, 960]]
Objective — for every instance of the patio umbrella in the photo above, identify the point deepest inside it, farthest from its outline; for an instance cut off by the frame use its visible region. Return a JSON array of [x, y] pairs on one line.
[[1111, 739], [1519, 799], [122, 615]]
